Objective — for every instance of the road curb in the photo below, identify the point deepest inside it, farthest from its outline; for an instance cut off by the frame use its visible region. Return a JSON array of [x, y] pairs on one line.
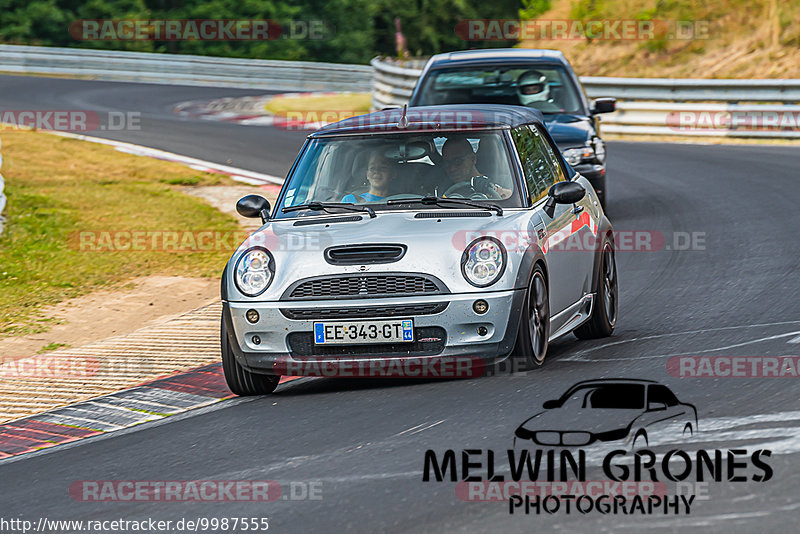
[[150, 401], [248, 111]]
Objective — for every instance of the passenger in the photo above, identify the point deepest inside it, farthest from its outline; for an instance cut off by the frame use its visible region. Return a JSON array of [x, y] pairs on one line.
[[459, 162], [381, 171]]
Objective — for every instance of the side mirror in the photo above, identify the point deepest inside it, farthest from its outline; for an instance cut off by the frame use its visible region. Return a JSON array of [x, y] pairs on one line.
[[253, 206], [563, 193], [656, 406], [604, 105], [549, 405]]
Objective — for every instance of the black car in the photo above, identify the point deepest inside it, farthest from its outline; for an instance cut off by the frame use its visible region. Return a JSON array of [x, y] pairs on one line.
[[610, 410], [542, 79]]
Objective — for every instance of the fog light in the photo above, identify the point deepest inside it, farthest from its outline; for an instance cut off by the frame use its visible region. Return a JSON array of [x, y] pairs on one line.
[[252, 316], [256, 340], [482, 330], [480, 307]]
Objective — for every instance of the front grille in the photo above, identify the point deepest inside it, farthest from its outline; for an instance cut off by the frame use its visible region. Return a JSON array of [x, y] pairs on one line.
[[372, 312], [301, 344], [364, 254], [362, 286]]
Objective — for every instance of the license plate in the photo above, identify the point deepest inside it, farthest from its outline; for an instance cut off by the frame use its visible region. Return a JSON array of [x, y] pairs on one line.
[[363, 332]]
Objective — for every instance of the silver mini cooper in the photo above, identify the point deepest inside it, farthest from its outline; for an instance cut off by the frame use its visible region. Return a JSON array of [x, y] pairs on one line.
[[421, 242]]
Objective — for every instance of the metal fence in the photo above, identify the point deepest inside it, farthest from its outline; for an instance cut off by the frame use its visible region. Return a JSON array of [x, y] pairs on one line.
[[177, 69], [654, 106]]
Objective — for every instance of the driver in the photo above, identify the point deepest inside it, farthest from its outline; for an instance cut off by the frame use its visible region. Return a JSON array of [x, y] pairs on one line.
[[532, 87], [459, 162], [381, 172]]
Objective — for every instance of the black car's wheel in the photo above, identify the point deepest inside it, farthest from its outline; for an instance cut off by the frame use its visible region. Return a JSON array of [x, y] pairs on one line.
[[241, 381], [534, 328], [604, 311]]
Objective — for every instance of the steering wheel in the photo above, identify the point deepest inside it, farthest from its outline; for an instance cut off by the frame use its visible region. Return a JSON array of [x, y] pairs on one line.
[[464, 189]]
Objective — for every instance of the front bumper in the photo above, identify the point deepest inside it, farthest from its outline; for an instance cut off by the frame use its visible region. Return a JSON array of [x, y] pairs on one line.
[[287, 343]]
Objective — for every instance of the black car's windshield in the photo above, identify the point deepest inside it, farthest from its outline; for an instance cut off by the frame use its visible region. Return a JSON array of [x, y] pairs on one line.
[[379, 169], [606, 396], [547, 88]]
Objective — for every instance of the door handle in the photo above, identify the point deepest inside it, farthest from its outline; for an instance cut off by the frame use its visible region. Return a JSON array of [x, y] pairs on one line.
[[577, 209]]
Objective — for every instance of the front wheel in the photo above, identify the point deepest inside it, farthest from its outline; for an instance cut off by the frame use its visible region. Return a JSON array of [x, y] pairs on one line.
[[604, 310], [534, 328], [241, 381]]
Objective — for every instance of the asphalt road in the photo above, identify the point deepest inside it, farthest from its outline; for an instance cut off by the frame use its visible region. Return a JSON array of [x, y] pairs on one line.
[[735, 293]]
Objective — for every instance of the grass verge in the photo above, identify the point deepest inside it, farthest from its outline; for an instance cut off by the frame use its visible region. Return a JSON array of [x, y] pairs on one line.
[[58, 187]]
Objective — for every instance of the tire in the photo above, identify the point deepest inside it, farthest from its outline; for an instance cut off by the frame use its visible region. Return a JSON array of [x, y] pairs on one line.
[[534, 327], [604, 310], [241, 381]]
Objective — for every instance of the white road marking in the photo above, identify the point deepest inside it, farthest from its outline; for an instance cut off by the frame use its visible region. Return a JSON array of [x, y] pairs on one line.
[[427, 427], [235, 173], [686, 333], [578, 358]]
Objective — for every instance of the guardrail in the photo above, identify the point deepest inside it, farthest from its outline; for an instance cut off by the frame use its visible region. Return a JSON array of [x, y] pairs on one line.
[[654, 106], [177, 69]]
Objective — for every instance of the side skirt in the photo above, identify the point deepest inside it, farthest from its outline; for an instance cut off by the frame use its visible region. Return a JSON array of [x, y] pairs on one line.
[[578, 314]]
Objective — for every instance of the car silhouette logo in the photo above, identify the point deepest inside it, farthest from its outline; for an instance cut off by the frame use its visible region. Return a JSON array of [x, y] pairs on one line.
[[606, 410]]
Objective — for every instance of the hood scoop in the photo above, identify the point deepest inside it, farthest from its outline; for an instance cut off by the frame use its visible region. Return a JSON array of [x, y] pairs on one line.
[[364, 254]]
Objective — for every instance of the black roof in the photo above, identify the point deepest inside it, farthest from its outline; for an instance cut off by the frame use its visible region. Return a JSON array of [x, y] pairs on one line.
[[493, 56], [462, 117]]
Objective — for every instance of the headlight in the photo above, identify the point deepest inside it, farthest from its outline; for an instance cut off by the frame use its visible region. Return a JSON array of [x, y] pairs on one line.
[[575, 156], [483, 261], [254, 271]]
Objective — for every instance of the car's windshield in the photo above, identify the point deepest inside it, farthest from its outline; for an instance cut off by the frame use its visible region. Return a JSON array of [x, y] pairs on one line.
[[371, 170], [547, 88], [606, 396]]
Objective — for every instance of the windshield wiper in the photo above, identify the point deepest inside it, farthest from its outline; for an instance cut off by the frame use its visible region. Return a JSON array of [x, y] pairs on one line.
[[325, 206], [442, 202]]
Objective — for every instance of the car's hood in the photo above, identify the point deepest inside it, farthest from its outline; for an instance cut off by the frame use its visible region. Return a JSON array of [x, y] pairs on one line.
[[434, 245], [569, 131], [583, 420]]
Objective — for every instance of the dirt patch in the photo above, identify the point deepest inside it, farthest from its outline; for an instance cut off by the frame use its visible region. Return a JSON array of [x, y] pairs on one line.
[[224, 198], [113, 312]]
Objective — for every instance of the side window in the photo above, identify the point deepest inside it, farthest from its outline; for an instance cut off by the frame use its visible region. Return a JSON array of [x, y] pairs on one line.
[[661, 394], [560, 176], [536, 164]]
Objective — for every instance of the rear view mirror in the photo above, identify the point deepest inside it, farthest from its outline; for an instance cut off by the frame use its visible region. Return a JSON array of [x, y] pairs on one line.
[[656, 406], [549, 405], [252, 206], [604, 105], [563, 193]]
